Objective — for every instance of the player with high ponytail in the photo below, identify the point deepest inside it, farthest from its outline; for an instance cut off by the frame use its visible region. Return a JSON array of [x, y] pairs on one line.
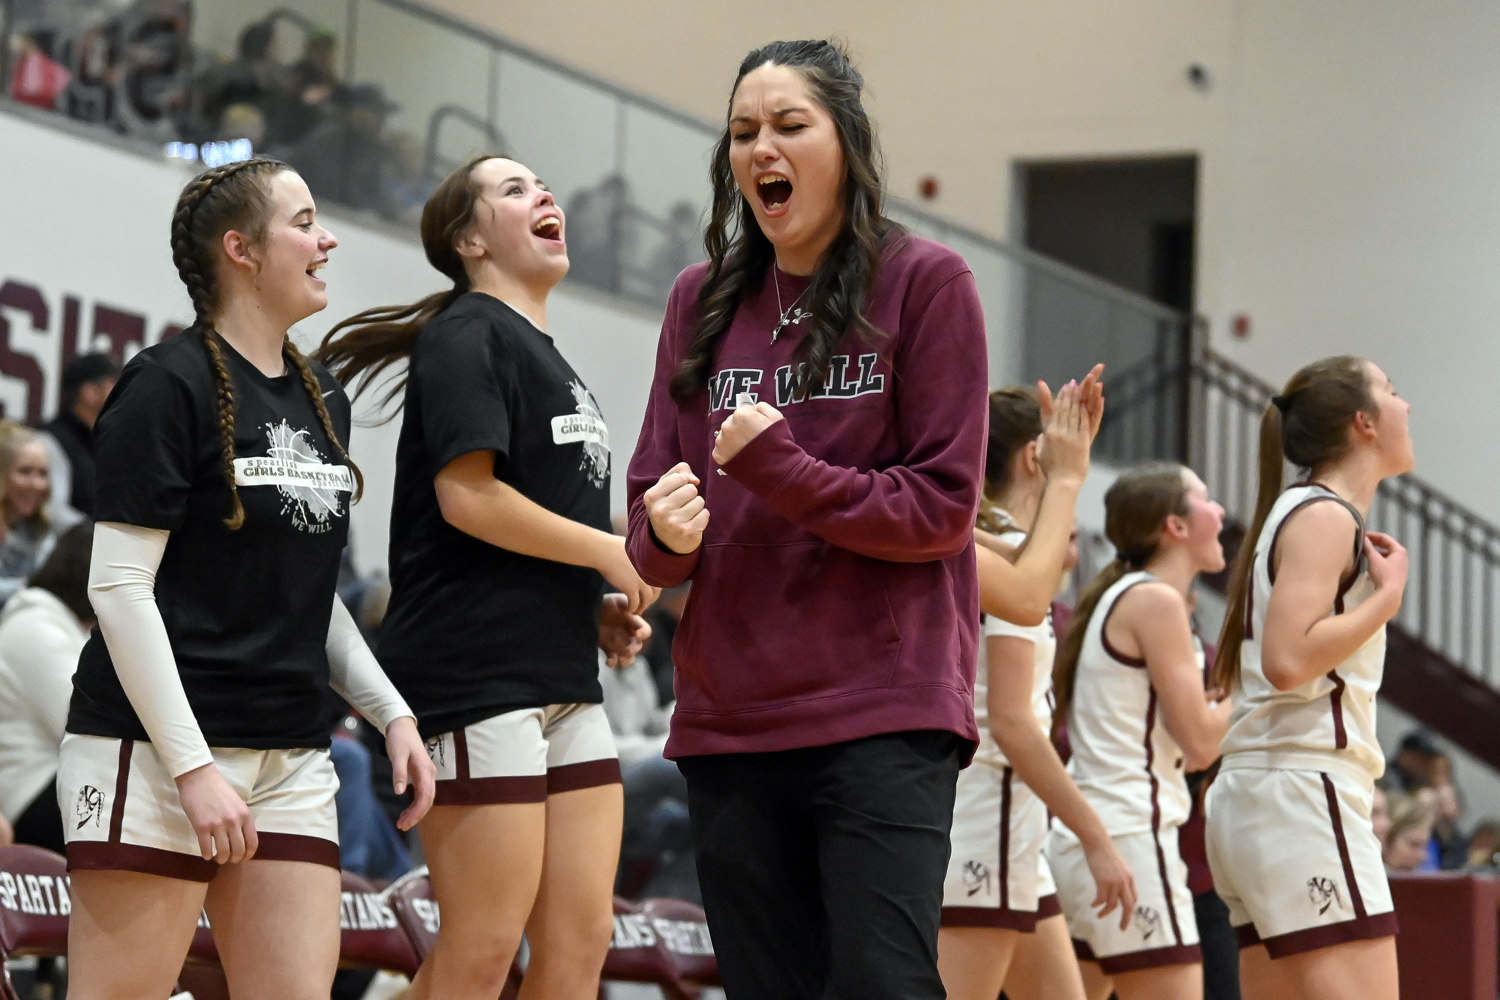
[[1289, 835], [195, 769]]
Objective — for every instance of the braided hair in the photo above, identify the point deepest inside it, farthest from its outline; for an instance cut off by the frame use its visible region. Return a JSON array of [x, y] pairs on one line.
[[234, 196]]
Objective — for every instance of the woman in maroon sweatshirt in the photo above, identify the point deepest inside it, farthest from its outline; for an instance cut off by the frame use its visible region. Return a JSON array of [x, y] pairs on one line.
[[811, 459]]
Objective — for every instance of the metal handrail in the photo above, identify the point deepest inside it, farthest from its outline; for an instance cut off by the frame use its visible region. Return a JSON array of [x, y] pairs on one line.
[[1450, 604]]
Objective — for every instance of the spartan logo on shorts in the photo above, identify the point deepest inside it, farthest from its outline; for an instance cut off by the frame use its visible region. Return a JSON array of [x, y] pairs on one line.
[[976, 878], [435, 750], [1323, 892], [586, 426], [1148, 920], [90, 806], [309, 486]]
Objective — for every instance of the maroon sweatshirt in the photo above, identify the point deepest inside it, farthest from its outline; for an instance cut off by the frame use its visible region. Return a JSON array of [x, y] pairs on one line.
[[834, 595]]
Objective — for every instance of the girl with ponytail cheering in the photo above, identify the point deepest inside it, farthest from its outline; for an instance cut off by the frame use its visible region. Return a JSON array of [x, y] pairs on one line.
[[500, 550], [999, 899], [1129, 682], [196, 772], [1290, 840]]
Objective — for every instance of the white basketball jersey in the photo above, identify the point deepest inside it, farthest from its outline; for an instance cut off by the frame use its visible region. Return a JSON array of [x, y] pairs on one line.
[[1044, 643], [1328, 720], [1124, 761]]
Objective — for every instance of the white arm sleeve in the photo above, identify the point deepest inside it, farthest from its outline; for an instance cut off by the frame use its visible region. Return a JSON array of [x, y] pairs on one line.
[[355, 674], [122, 587]]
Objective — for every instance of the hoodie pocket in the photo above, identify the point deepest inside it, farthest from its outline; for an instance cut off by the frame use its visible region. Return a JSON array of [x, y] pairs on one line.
[[770, 624]]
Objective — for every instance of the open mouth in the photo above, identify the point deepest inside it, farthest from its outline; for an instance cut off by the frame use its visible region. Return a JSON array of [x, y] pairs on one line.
[[312, 272], [774, 190], [548, 228]]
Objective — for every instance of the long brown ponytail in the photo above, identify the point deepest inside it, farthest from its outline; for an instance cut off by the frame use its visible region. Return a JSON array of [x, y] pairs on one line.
[[361, 348], [234, 196], [1136, 506], [1307, 425]]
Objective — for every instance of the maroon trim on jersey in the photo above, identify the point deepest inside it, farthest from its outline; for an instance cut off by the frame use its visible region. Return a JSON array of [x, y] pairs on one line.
[[584, 774], [1129, 661], [1346, 581], [1247, 935], [1336, 703], [1359, 929], [97, 855], [491, 791], [1337, 821], [297, 847], [122, 782], [998, 917], [1134, 961], [1250, 605], [1161, 856], [460, 755], [1005, 779], [1048, 906]]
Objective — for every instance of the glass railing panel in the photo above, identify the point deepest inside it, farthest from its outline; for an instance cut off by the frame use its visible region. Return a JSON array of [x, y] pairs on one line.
[[664, 163], [566, 130], [431, 85]]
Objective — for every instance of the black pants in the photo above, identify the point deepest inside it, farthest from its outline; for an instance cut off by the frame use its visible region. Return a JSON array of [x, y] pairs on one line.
[[822, 868], [1221, 949]]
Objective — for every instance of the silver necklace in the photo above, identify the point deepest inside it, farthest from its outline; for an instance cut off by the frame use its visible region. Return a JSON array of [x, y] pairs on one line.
[[790, 315]]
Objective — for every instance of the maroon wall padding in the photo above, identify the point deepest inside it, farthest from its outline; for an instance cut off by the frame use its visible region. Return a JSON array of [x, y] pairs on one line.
[[1449, 933]]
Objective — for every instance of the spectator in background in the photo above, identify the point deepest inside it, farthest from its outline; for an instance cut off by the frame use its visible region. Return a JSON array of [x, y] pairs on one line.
[[38, 79], [345, 157], [596, 240], [25, 478], [681, 247], [1484, 846], [656, 849], [1449, 848], [1411, 768], [69, 436], [253, 77], [1380, 812], [314, 84], [42, 630], [1405, 846]]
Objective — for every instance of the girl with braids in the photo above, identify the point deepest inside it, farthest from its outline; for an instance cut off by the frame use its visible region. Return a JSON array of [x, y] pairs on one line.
[[1290, 838], [1129, 682], [195, 772], [999, 899], [500, 549], [811, 458]]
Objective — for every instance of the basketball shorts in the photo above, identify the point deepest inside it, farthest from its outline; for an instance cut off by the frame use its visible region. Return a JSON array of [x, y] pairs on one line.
[[1163, 929], [1295, 858], [121, 810], [525, 756], [997, 874]]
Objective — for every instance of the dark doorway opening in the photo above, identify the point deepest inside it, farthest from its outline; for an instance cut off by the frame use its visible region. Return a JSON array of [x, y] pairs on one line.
[[1131, 225]]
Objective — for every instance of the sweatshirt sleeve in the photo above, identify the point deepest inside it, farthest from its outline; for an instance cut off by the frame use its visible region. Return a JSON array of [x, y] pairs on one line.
[[658, 450], [922, 507]]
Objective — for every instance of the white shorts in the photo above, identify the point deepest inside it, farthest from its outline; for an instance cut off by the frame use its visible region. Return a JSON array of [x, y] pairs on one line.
[[1163, 930], [121, 810], [1295, 857], [997, 874], [525, 756]]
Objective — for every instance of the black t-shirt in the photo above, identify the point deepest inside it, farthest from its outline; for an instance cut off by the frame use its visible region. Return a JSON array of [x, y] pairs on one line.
[[474, 630], [246, 611]]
